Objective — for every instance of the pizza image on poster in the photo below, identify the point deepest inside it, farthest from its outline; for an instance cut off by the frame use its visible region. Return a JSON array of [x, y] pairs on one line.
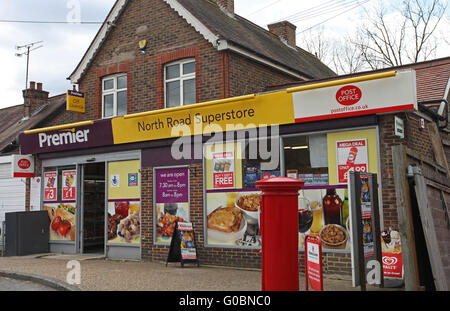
[[351, 155]]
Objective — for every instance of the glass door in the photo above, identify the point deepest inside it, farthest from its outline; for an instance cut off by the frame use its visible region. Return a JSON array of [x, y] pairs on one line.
[[92, 235]]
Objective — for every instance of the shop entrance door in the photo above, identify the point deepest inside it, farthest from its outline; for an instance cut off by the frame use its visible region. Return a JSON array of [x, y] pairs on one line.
[[93, 209]]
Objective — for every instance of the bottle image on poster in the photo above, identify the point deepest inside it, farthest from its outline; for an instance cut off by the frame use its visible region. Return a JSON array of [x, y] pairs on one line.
[[351, 155]]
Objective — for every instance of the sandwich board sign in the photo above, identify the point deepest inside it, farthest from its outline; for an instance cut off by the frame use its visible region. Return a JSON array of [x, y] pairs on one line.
[[182, 246]]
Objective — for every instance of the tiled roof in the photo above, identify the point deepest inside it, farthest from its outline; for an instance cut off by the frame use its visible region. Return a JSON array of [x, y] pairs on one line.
[[216, 24], [255, 39], [12, 122]]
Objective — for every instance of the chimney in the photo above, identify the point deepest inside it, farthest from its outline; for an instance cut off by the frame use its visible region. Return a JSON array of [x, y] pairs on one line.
[[285, 30], [228, 5], [33, 98]]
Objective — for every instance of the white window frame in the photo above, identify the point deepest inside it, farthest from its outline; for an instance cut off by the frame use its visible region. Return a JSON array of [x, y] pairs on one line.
[[181, 78], [114, 92]]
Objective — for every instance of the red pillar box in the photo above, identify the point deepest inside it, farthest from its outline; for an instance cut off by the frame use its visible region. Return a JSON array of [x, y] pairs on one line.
[[279, 233]]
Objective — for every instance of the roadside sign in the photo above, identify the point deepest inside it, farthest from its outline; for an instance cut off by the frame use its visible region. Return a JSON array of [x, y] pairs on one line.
[[313, 263]]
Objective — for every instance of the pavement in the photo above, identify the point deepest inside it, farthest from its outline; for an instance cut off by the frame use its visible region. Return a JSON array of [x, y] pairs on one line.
[[100, 274], [9, 284]]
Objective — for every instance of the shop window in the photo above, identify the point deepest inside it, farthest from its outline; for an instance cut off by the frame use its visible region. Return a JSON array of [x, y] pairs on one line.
[[306, 158], [231, 172], [260, 159], [60, 194], [179, 83], [114, 95]]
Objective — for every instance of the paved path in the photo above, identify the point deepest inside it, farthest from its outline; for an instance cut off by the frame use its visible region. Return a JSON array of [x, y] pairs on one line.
[[108, 275], [7, 284]]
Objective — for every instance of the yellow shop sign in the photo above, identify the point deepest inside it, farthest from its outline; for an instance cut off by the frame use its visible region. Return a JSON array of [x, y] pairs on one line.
[[75, 101], [245, 112]]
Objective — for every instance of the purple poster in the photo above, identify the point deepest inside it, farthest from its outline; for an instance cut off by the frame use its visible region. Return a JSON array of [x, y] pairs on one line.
[[172, 185]]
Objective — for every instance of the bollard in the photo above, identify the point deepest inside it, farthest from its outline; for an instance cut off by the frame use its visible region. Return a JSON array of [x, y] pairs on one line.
[[279, 233]]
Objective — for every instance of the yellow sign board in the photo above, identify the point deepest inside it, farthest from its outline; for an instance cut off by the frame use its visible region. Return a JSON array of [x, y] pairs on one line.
[[231, 114], [75, 101]]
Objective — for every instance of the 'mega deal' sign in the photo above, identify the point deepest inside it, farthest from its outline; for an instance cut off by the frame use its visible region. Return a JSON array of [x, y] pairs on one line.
[[92, 135]]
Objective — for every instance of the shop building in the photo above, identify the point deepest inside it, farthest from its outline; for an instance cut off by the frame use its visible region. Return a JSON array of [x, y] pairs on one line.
[[138, 160], [38, 110]]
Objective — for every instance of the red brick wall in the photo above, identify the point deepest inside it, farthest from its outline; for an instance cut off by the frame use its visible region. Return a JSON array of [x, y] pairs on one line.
[[416, 140]]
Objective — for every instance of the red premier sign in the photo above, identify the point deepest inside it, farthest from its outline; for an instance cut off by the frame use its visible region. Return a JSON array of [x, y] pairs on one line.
[[313, 263]]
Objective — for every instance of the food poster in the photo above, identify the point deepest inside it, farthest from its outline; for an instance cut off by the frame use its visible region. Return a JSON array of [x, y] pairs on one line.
[[187, 243], [62, 221], [232, 218], [324, 212], [50, 186], [392, 254], [124, 222], [124, 204], [369, 135], [224, 166], [223, 169], [351, 155], [171, 201], [69, 185]]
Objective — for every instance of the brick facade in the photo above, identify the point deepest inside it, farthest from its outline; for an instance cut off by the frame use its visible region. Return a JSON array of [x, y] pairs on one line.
[[219, 74]]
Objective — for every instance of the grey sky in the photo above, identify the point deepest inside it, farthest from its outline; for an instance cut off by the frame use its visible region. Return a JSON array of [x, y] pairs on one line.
[[65, 44]]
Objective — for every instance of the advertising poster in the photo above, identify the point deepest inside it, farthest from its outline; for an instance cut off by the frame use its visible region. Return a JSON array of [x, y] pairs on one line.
[[124, 222], [187, 244], [323, 212], [69, 185], [392, 254], [50, 186], [171, 201], [366, 213], [124, 204], [351, 155], [62, 221], [313, 263], [223, 169], [233, 218], [35, 193]]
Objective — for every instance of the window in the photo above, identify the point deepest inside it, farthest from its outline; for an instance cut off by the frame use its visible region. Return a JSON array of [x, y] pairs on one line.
[[114, 95], [179, 83], [306, 158]]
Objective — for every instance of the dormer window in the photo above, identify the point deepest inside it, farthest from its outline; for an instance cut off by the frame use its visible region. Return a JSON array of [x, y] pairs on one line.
[[179, 83], [114, 96]]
